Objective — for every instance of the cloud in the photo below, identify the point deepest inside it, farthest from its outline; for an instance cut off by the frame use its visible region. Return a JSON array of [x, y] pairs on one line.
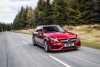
[[9, 8]]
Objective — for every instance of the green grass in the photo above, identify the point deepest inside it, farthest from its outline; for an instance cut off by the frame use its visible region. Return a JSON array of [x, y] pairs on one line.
[[22, 31], [89, 34], [98, 36], [91, 44]]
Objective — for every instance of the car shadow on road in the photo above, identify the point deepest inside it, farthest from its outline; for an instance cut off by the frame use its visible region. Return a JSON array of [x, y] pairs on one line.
[[64, 51], [37, 47]]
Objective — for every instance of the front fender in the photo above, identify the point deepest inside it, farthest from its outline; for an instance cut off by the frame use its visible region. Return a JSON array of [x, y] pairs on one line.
[[47, 39]]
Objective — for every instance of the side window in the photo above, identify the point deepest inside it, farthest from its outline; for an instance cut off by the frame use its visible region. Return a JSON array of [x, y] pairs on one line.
[[38, 28]]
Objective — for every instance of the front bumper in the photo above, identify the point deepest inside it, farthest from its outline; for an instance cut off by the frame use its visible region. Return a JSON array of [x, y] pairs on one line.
[[60, 46]]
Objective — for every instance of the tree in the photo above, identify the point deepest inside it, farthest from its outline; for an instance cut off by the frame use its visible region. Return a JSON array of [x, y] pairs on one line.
[[48, 12], [59, 8], [70, 12], [30, 17], [18, 21], [79, 12], [40, 12], [24, 19], [95, 12], [5, 27]]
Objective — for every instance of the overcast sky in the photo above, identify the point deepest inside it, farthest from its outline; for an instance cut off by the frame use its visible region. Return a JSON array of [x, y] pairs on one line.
[[9, 8]]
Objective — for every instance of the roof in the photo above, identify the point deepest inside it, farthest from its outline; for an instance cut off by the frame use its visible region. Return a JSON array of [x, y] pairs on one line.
[[48, 25]]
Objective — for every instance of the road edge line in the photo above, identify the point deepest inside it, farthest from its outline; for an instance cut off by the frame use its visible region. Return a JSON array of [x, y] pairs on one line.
[[59, 61]]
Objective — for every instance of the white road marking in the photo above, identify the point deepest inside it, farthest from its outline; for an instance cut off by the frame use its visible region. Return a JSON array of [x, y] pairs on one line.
[[59, 61], [24, 42]]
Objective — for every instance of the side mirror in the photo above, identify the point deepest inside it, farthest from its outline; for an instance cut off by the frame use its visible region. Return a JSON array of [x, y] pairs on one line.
[[40, 32], [66, 30]]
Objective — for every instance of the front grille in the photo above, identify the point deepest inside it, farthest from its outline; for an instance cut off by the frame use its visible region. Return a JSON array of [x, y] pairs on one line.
[[69, 47], [55, 47], [70, 40]]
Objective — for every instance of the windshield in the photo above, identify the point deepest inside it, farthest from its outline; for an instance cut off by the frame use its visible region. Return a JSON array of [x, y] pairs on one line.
[[53, 29]]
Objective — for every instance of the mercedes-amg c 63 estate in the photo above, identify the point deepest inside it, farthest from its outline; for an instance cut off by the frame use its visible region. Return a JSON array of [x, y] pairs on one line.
[[55, 38]]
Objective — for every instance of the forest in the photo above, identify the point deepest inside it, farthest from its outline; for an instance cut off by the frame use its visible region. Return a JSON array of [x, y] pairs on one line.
[[61, 12]]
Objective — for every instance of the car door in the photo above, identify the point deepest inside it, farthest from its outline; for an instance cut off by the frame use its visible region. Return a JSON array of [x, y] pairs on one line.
[[38, 37]]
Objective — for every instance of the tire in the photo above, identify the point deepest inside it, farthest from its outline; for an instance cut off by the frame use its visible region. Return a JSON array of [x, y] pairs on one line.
[[46, 46], [33, 41]]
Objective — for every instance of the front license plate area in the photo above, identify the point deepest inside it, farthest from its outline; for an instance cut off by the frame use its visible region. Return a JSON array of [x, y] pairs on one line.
[[69, 45]]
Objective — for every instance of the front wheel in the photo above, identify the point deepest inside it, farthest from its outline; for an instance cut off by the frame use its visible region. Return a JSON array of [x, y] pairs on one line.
[[46, 46], [33, 40]]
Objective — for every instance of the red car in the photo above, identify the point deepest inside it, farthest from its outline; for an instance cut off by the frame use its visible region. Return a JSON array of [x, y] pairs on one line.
[[55, 38]]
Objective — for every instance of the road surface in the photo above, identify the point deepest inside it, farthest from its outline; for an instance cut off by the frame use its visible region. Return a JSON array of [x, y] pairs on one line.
[[16, 50]]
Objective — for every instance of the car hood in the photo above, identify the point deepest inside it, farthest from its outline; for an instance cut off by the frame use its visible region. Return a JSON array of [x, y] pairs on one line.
[[61, 35]]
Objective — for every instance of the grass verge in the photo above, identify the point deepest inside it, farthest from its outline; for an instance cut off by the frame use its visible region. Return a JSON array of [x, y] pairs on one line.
[[23, 31], [91, 44], [89, 34], [0, 33]]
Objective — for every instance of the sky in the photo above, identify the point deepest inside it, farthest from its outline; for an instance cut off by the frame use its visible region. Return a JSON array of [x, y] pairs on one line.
[[9, 8]]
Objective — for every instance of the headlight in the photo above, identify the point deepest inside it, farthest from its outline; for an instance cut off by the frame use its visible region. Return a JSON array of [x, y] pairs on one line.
[[78, 38], [53, 40]]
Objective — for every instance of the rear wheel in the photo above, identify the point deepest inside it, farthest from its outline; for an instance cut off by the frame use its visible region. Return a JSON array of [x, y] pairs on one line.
[[33, 40], [46, 46]]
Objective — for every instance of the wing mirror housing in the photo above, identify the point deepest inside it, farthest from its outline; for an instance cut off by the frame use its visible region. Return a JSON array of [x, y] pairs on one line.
[[66, 30], [40, 32]]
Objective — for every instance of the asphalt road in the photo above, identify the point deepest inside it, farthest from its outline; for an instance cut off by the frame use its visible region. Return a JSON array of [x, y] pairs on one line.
[[16, 50]]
